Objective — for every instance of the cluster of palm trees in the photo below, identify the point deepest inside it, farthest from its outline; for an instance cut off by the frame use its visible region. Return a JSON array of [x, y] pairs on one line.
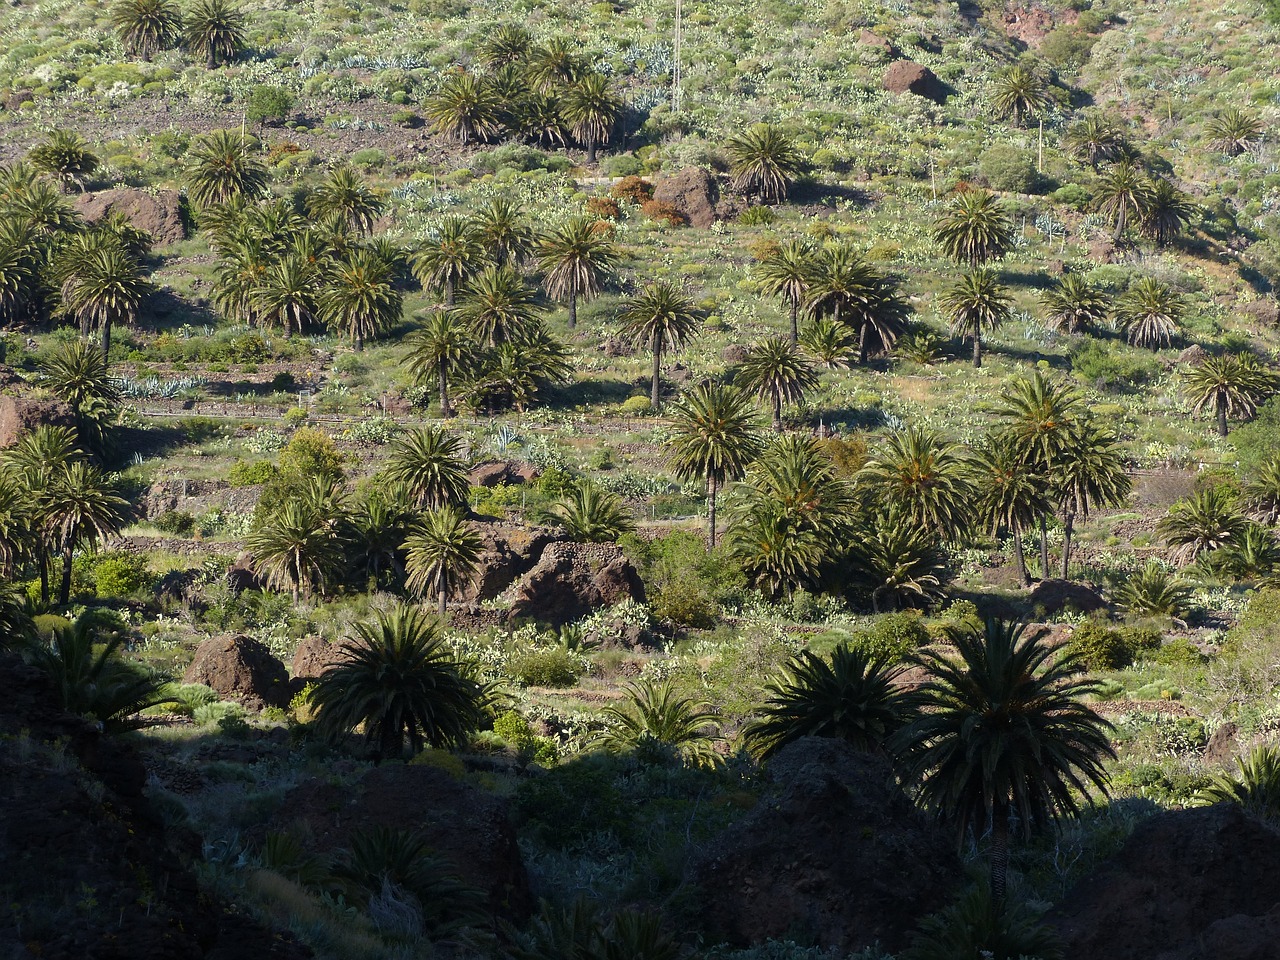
[[1223, 532], [213, 29]]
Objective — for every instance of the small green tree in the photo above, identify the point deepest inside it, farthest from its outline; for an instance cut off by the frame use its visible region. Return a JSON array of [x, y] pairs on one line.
[[267, 104]]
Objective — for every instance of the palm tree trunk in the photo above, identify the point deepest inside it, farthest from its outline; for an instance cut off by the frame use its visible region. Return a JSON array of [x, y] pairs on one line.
[[1044, 547], [359, 344], [795, 320], [777, 414], [655, 398], [448, 294], [1068, 524], [1020, 558], [1222, 415], [573, 309], [445, 409], [591, 149], [42, 561], [862, 345], [1122, 221], [106, 342], [977, 348], [999, 853], [442, 588], [64, 594], [711, 508]]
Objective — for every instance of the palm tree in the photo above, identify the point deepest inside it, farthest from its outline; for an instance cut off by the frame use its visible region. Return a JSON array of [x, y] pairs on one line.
[[1088, 474], [19, 262], [215, 29], [1254, 556], [466, 107], [591, 515], [1019, 93], [296, 548], [513, 374], [899, 563], [83, 509], [977, 302], [764, 161], [554, 64], [103, 285], [840, 279], [399, 680], [501, 229], [1231, 384], [657, 721], [17, 516], [1074, 305], [443, 550], [374, 531], [1167, 213], [1262, 491], [712, 438], [508, 43], [76, 373], [1003, 734], [1012, 495], [221, 167], [925, 476], [344, 196], [1234, 131], [1123, 195], [1150, 313], [449, 257], [831, 342], [429, 463], [1255, 785], [777, 372], [976, 229], [360, 300], [976, 925], [786, 271], [575, 259], [1094, 140], [591, 108], [287, 294], [1153, 591], [147, 26], [1206, 521], [852, 698], [238, 275], [498, 306], [37, 460], [66, 157], [440, 349], [660, 317]]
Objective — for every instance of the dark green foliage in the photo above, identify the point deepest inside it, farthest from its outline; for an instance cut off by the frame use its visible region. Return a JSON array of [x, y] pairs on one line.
[[1254, 786], [247, 473], [660, 724], [546, 667], [892, 637], [684, 581], [581, 933], [1100, 648], [570, 806], [978, 925], [1104, 367], [268, 104]]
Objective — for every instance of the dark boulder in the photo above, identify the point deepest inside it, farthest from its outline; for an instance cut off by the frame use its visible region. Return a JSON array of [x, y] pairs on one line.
[[496, 472], [510, 550], [1054, 596], [571, 580], [906, 76], [693, 192], [240, 669], [20, 415]]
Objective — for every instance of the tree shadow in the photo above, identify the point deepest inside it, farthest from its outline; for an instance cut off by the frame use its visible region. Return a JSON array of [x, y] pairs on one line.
[[590, 393], [808, 191], [166, 311]]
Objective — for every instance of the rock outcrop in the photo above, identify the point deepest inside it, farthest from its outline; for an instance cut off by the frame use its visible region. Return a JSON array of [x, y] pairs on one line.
[[158, 212], [1054, 596], [907, 76], [692, 191], [497, 472], [240, 669], [571, 580], [510, 550], [20, 415]]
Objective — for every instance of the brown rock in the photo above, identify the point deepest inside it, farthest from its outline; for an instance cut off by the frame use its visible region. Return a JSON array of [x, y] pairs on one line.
[[510, 550], [1054, 596], [734, 353], [834, 822], [1265, 311], [869, 39], [157, 213], [20, 415], [571, 580], [496, 472], [313, 657], [241, 669], [692, 191], [1222, 747], [1193, 355], [906, 76]]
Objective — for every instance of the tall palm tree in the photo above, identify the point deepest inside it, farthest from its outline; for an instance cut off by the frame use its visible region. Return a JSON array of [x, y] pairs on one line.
[[344, 196], [1150, 313], [589, 514], [1003, 734], [20, 257], [83, 509], [657, 721], [37, 460], [765, 161], [1123, 195], [1234, 131], [786, 271], [554, 64], [502, 229], [399, 680], [975, 229], [237, 276], [442, 551], [146, 27], [898, 562], [1094, 140], [360, 300], [103, 285], [1073, 305], [215, 30], [662, 317], [1167, 213], [1208, 520], [591, 107], [76, 373], [466, 107], [777, 372], [296, 548], [221, 167], [1011, 494], [17, 523], [287, 296], [65, 156], [575, 258], [429, 463], [712, 438], [449, 257], [925, 476], [498, 306], [1019, 93], [1090, 473], [439, 350], [977, 302], [1230, 384]]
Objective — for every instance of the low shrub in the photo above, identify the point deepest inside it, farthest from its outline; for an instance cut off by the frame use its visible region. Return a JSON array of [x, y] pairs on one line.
[[893, 636], [1099, 647], [663, 212], [176, 522], [549, 667], [248, 473], [633, 190], [119, 575]]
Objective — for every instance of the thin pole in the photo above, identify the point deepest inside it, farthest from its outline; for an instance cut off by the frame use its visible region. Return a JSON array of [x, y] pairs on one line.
[[1040, 161], [677, 92]]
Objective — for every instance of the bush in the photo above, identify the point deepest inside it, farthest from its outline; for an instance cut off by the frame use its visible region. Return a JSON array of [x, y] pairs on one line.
[[662, 212], [1100, 365], [268, 104], [894, 636], [636, 407], [1009, 168], [1072, 195], [633, 190], [685, 603], [1179, 651], [1258, 440], [757, 217], [175, 522], [1100, 648], [606, 208], [573, 805], [248, 473], [621, 165], [119, 575], [550, 667]]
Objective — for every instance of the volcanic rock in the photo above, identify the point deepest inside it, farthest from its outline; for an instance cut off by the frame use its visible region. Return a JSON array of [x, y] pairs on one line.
[[571, 580], [692, 191], [158, 213], [20, 415], [907, 76], [241, 669]]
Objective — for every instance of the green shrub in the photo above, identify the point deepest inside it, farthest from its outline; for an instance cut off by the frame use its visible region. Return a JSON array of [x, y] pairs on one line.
[[573, 805], [685, 603], [175, 522], [621, 165], [550, 667], [757, 217], [1262, 614], [207, 714], [1072, 195], [46, 623], [893, 636], [1009, 168], [1100, 647], [636, 407], [119, 575], [1179, 651], [248, 473], [267, 104], [1258, 440], [1141, 639], [369, 158], [1102, 366]]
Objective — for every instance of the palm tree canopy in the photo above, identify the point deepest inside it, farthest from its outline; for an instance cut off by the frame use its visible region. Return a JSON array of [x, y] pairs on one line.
[[777, 371], [660, 314], [451, 254], [498, 306], [926, 477], [466, 107], [344, 195], [147, 26], [1019, 93], [1073, 305], [360, 301], [442, 551], [215, 30], [589, 514], [976, 229], [591, 107], [765, 161], [221, 167], [713, 435], [657, 721], [429, 463], [575, 259], [1150, 313]]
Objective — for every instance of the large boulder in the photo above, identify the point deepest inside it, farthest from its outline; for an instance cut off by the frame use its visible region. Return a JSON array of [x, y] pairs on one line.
[[835, 852], [158, 212], [20, 415], [1054, 596], [495, 472], [313, 657], [241, 669], [692, 191], [571, 580], [510, 550], [467, 825], [906, 76], [1187, 885]]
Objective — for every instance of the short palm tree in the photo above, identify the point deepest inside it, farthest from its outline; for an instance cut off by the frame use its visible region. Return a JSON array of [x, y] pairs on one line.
[[1255, 785], [215, 30], [840, 280], [66, 157], [977, 925], [1262, 491], [508, 43], [977, 302], [442, 552], [439, 350], [146, 27], [591, 108], [344, 196], [1094, 140], [1019, 93], [19, 261], [502, 229], [975, 230], [554, 64], [449, 257], [17, 515], [831, 342], [589, 514], [36, 462], [222, 167], [295, 549], [1123, 195], [1230, 384], [1254, 556], [661, 317], [287, 295], [1003, 735], [576, 259], [399, 681], [786, 270], [373, 532], [1234, 131], [76, 373], [852, 697], [712, 437], [1011, 494], [777, 372], [1167, 213], [429, 463], [83, 509], [466, 107], [1206, 521], [1150, 313], [360, 301], [897, 562], [103, 285], [1073, 305], [498, 306], [1089, 474], [659, 722], [764, 161], [1153, 590], [926, 476]]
